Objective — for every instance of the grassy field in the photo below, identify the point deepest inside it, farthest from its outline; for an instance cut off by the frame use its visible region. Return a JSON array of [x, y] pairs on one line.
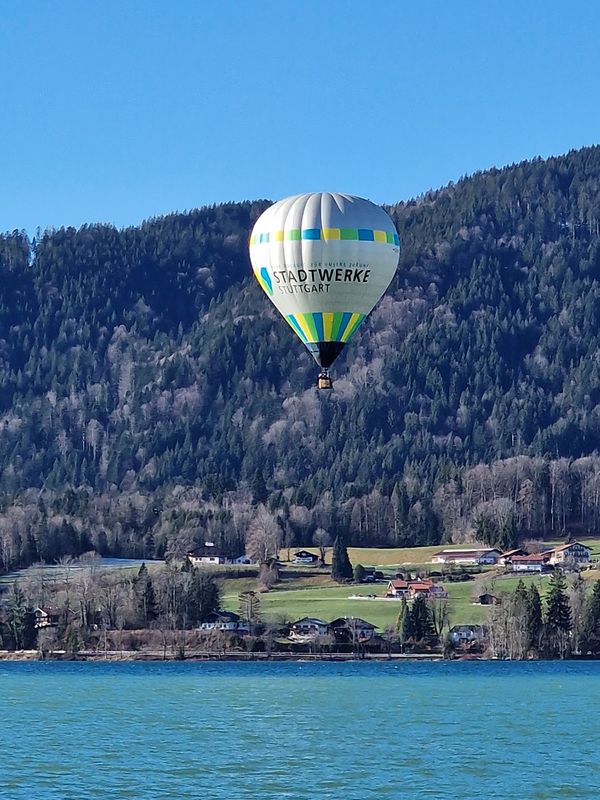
[[306, 592], [387, 557], [318, 596], [331, 600]]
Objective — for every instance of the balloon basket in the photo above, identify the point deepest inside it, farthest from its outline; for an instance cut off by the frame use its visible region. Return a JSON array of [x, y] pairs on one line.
[[324, 381]]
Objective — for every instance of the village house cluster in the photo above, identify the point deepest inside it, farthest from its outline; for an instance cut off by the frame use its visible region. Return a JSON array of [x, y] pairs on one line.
[[572, 553], [344, 630], [209, 554]]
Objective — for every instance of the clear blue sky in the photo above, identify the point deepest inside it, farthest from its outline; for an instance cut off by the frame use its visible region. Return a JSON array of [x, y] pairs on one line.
[[117, 111]]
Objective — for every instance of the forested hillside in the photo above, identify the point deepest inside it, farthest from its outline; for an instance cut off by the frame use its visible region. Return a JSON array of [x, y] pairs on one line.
[[150, 397]]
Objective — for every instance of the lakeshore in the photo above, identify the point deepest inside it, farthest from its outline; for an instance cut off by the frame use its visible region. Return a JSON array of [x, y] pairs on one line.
[[133, 655]]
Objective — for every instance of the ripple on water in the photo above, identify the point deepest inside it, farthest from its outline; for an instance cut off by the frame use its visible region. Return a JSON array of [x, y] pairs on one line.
[[263, 731]]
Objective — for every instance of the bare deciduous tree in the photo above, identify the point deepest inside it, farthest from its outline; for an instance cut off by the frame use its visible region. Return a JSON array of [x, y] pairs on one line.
[[322, 540], [264, 536]]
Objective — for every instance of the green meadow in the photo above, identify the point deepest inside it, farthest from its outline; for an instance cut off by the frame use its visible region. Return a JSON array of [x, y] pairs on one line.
[[316, 595], [304, 591]]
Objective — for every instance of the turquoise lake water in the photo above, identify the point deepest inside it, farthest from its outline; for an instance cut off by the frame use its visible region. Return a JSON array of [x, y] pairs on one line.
[[352, 730]]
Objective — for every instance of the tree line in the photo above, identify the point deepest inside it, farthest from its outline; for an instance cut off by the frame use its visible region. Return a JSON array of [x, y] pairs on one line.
[[566, 623], [89, 602]]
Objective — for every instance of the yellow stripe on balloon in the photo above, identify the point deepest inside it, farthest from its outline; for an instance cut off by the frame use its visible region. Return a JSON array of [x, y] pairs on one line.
[[328, 325], [331, 233], [302, 322], [290, 321], [278, 236], [354, 319], [380, 236]]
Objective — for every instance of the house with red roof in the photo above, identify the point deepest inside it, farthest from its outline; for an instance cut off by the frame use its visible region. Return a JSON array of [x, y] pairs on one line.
[[397, 588], [424, 587], [533, 562]]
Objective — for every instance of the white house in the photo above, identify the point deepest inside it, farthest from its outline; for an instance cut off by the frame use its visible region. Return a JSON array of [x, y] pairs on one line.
[[468, 634], [535, 562], [224, 621], [352, 629], [467, 556], [306, 558], [308, 628], [397, 588], [209, 554]]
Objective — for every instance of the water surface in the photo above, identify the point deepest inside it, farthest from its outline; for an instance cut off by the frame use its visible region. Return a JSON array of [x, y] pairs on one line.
[[350, 730]]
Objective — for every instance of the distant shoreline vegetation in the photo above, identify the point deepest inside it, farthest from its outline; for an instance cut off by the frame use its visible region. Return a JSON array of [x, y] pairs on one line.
[[175, 611]]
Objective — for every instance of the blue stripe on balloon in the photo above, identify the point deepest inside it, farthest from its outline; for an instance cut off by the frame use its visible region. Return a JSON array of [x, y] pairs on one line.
[[318, 319], [346, 317], [297, 328], [311, 233], [264, 274]]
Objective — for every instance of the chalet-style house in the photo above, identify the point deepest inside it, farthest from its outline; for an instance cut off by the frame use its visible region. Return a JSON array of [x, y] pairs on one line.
[[305, 558], [397, 588], [410, 589], [467, 556], [224, 621], [507, 557], [352, 630], [426, 588], [574, 552], [45, 618], [308, 628], [533, 562], [209, 554]]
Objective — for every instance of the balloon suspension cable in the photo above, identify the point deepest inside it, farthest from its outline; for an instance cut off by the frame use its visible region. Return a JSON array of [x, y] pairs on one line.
[[323, 380]]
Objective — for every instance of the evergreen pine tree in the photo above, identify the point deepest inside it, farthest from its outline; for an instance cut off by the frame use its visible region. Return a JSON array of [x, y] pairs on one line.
[[20, 620], [533, 618], [258, 487], [341, 568], [507, 534], [401, 614], [407, 632], [30, 554], [202, 596], [145, 596], [558, 616], [422, 626], [591, 622]]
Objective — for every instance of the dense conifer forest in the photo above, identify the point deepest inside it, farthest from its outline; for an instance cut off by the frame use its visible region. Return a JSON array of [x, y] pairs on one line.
[[150, 397]]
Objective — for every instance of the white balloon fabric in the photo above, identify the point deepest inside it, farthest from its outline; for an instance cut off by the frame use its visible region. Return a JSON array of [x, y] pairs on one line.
[[324, 260]]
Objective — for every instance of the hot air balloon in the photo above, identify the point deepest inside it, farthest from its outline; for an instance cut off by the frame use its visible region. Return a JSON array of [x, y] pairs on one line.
[[324, 260]]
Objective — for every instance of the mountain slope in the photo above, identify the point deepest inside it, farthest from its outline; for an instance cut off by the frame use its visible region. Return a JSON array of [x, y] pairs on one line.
[[139, 360]]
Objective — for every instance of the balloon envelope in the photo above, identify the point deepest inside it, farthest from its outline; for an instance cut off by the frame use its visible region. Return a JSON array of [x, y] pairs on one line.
[[324, 260]]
